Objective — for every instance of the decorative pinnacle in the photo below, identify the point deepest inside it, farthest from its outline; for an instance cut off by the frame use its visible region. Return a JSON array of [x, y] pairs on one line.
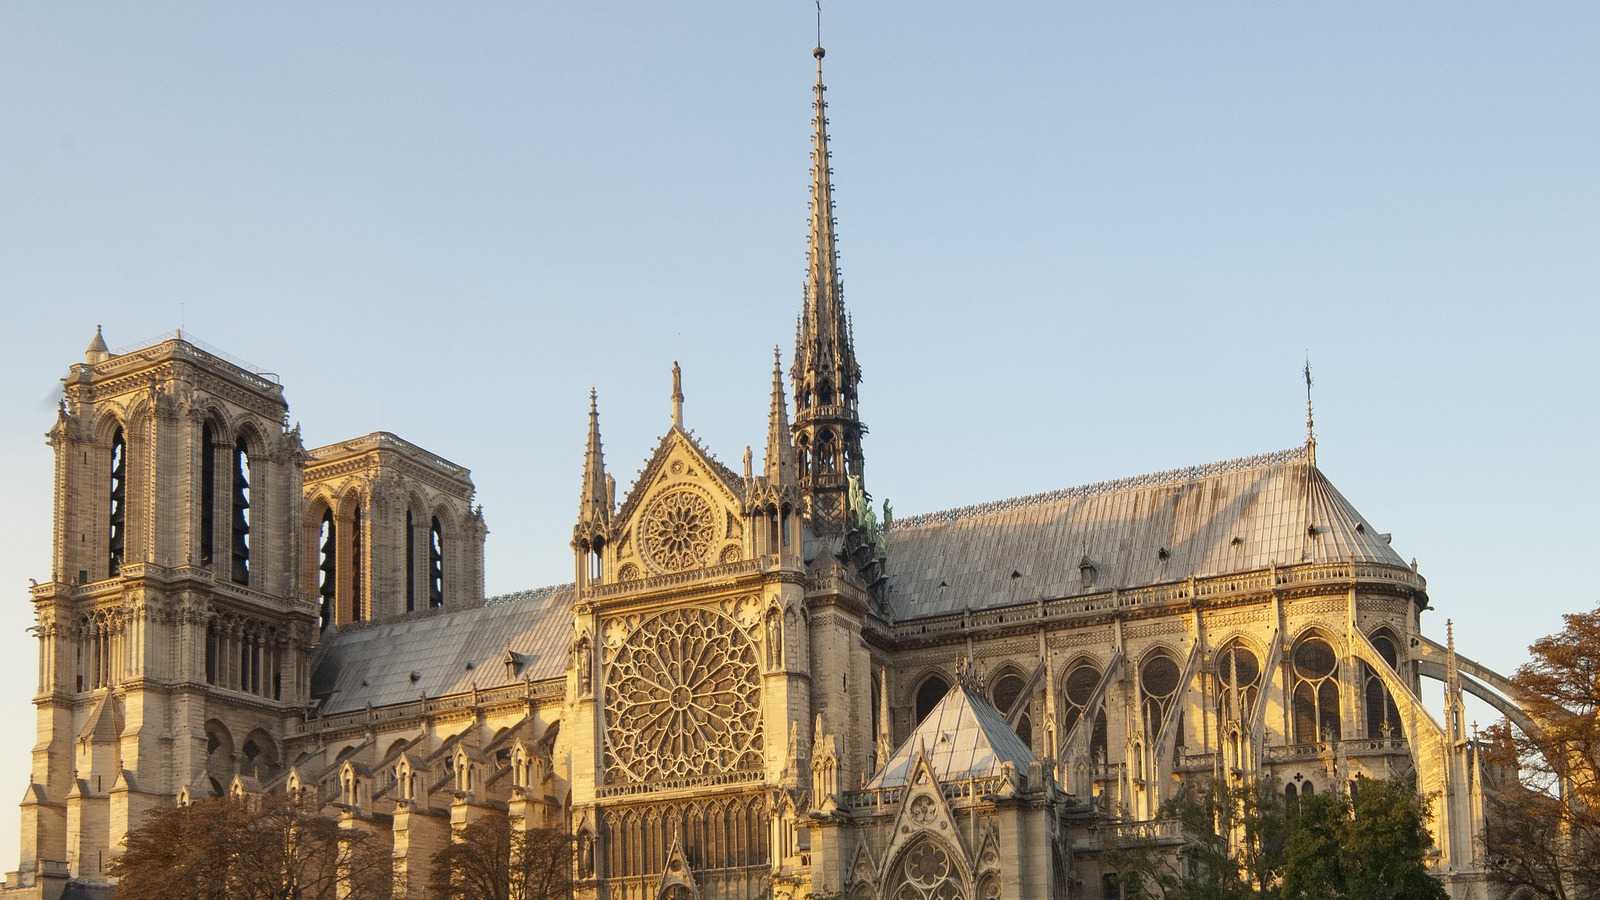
[[677, 395], [594, 503], [1311, 424]]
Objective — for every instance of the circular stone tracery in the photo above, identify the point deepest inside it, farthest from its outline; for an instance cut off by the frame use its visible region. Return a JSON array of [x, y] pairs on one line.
[[677, 531], [682, 699]]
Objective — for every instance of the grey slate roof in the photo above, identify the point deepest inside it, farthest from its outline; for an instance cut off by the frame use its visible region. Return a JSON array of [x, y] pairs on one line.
[[964, 737], [1232, 516], [374, 664]]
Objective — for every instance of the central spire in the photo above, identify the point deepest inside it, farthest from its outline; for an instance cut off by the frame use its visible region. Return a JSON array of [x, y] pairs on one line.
[[825, 375]]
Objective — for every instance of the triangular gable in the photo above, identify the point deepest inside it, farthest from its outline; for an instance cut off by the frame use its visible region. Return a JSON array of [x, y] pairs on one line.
[[711, 493], [676, 873], [964, 736], [924, 811], [105, 721]]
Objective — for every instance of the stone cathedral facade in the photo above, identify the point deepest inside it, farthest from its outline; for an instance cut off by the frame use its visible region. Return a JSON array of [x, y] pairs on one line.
[[755, 685]]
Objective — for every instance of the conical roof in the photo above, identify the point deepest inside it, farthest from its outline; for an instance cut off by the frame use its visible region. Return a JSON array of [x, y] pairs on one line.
[[964, 737]]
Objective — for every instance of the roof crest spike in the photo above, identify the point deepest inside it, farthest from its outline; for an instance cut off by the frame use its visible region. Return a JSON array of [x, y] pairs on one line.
[[1311, 425]]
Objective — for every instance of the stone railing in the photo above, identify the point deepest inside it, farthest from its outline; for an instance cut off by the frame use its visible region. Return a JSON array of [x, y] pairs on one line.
[[677, 579], [1382, 746], [1155, 596], [1127, 834], [884, 800], [720, 779], [177, 344], [540, 691]]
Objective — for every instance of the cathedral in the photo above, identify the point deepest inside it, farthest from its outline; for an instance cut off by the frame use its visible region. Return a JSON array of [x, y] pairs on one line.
[[754, 685]]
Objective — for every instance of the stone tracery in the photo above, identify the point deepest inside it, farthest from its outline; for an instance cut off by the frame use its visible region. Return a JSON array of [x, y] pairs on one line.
[[677, 531], [682, 699]]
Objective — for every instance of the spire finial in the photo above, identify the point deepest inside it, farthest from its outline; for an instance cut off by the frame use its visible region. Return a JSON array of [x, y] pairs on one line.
[[97, 350], [677, 395], [1311, 422], [819, 53]]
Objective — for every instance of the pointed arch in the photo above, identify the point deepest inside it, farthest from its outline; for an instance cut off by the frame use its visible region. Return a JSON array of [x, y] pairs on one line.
[[928, 868]]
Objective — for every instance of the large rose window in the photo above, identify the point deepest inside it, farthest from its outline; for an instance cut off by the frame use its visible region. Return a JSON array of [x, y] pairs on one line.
[[677, 531], [682, 699]]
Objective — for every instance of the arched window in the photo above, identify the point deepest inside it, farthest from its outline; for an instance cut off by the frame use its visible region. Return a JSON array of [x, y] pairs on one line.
[[241, 513], [411, 563], [1383, 717], [1316, 692], [1006, 694], [1158, 688], [118, 511], [926, 872], [208, 494], [328, 565], [929, 693], [356, 566], [827, 463], [1291, 799], [435, 564], [1239, 679], [1077, 690]]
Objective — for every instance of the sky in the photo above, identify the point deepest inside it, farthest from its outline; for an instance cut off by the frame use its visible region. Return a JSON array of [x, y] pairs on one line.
[[1079, 242]]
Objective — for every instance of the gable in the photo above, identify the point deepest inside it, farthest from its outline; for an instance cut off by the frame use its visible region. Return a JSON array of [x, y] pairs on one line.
[[683, 514]]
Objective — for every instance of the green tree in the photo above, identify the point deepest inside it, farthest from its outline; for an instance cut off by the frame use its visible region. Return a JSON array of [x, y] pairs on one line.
[[1386, 844], [1313, 862], [490, 860], [1232, 845]]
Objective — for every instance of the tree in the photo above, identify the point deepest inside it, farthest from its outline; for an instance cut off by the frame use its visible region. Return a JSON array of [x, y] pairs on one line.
[[1543, 812], [1243, 841], [264, 849], [490, 860], [1233, 844]]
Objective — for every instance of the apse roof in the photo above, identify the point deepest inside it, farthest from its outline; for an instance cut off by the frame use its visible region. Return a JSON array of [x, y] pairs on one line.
[[1232, 516], [964, 736], [447, 652]]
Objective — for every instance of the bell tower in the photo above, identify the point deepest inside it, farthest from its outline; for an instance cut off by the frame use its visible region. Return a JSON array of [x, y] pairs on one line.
[[825, 376], [171, 606]]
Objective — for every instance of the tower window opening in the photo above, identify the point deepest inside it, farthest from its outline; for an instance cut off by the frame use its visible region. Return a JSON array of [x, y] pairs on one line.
[[435, 564], [208, 494], [411, 563], [118, 517], [596, 568], [241, 513], [356, 566], [328, 565]]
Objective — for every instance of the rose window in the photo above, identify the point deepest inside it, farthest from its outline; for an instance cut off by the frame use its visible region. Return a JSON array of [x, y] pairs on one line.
[[682, 699], [926, 873], [678, 531]]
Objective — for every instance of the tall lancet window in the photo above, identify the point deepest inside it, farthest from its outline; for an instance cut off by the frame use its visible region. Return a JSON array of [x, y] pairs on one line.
[[208, 494], [241, 513], [356, 566], [411, 563], [328, 565], [435, 564], [118, 512]]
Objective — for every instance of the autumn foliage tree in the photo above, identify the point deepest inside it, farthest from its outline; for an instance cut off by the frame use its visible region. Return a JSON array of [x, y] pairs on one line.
[[1543, 817], [490, 860], [263, 849]]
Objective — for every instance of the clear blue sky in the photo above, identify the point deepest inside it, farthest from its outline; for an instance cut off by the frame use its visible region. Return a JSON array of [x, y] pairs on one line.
[[1080, 241]]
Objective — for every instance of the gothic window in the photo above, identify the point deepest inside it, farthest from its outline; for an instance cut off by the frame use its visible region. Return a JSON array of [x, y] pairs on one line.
[[1383, 717], [1316, 692], [435, 564], [929, 693], [1006, 693], [357, 566], [926, 872], [328, 566], [1239, 681], [242, 471], [208, 494], [118, 515], [411, 563], [1158, 689], [827, 463], [682, 697]]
